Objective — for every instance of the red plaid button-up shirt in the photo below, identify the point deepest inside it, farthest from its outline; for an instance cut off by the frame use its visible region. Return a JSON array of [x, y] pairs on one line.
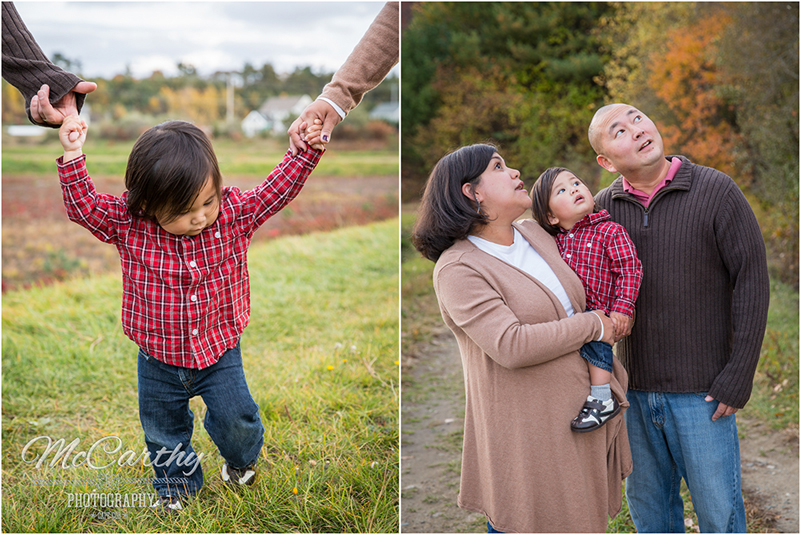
[[604, 257], [186, 299]]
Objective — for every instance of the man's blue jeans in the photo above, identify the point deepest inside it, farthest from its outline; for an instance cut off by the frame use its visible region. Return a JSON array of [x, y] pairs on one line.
[[672, 437], [232, 419]]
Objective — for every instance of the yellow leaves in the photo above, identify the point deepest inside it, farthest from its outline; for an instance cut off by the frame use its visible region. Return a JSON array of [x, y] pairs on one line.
[[684, 74], [13, 105], [201, 106]]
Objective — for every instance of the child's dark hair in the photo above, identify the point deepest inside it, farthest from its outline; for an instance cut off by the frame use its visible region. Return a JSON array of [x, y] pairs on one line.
[[540, 195], [168, 167], [445, 214]]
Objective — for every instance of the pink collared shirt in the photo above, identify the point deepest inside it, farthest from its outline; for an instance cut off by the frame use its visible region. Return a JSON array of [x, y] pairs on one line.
[[643, 197]]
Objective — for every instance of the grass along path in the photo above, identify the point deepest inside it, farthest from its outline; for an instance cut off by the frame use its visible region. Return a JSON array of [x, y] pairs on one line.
[[320, 357]]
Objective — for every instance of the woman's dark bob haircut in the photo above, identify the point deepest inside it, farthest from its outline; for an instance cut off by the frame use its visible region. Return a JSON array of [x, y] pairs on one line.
[[541, 192], [446, 214], [168, 167]]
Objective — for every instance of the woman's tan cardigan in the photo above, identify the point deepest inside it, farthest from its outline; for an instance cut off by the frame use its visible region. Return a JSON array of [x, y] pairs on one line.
[[522, 465]]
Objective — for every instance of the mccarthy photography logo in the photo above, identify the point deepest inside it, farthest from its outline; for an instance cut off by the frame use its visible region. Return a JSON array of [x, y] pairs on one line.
[[102, 454]]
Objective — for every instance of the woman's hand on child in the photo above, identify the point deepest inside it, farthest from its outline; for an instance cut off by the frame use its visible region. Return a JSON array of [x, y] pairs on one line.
[[608, 327], [72, 135], [319, 110]]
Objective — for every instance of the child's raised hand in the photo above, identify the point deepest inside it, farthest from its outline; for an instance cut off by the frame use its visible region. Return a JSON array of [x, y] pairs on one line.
[[72, 135], [314, 134]]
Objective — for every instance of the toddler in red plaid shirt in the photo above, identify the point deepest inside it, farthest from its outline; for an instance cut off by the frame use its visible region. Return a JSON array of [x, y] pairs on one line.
[[604, 257], [183, 241]]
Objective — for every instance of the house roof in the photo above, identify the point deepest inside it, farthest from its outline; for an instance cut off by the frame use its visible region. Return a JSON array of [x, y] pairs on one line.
[[386, 107], [389, 111], [280, 104]]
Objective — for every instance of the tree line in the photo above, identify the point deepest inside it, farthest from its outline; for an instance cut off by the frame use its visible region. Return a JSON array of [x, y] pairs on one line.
[[123, 101], [719, 79]]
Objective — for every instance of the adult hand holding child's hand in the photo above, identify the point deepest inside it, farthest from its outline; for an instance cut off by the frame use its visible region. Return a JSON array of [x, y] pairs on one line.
[[318, 110], [314, 135], [44, 113]]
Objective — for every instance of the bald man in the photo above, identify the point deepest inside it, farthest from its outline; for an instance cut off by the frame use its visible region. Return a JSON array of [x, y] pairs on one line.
[[701, 316]]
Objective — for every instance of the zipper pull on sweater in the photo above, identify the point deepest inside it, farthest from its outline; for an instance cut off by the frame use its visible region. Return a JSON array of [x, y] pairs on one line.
[[646, 217]]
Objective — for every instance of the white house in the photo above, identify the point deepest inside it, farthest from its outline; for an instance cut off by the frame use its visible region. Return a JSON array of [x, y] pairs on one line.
[[276, 114], [254, 123], [387, 111]]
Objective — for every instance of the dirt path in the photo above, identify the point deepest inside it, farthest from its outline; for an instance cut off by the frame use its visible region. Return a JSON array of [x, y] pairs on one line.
[[770, 476], [430, 441], [432, 426]]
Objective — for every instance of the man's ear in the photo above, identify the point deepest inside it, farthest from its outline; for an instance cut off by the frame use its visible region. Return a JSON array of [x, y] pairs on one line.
[[606, 163]]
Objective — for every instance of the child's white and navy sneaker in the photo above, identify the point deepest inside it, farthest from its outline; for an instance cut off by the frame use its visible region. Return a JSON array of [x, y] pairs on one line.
[[238, 477], [167, 504], [594, 414]]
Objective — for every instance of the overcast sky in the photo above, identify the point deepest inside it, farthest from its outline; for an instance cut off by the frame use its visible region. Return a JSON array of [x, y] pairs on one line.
[[107, 37]]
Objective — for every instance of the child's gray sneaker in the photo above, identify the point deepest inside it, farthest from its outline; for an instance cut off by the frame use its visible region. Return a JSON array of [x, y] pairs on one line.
[[238, 477], [167, 505], [594, 414]]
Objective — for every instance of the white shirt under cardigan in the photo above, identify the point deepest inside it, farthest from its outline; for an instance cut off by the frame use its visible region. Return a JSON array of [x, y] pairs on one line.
[[523, 256]]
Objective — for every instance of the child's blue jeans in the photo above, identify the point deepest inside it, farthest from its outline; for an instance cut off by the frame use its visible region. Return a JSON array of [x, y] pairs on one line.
[[598, 353], [232, 419]]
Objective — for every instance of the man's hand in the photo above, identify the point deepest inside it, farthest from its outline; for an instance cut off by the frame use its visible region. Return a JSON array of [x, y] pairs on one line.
[[622, 325], [723, 410], [321, 110], [45, 114]]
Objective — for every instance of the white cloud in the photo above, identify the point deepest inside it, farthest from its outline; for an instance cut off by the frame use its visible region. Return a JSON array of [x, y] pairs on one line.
[[108, 36], [143, 66]]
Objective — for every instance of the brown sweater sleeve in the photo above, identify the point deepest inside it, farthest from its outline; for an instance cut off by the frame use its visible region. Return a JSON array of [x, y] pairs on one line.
[[477, 308], [27, 68], [370, 62]]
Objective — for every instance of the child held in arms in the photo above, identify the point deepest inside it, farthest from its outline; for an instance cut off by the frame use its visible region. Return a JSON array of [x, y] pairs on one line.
[[183, 239], [604, 258]]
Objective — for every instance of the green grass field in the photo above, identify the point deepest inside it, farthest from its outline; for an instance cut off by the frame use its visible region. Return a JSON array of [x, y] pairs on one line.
[[320, 356], [248, 157]]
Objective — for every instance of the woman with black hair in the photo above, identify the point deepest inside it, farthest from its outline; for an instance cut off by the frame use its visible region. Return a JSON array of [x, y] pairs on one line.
[[517, 311]]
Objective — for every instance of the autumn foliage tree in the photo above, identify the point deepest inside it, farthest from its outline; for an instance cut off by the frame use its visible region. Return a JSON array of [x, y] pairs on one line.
[[685, 76], [202, 106], [13, 105], [759, 64], [719, 79], [518, 73]]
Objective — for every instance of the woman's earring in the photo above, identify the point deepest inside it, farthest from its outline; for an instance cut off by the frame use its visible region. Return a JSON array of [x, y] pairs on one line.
[[479, 205]]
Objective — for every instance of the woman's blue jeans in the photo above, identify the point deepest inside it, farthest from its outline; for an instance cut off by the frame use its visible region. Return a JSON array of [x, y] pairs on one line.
[[232, 419], [672, 436]]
